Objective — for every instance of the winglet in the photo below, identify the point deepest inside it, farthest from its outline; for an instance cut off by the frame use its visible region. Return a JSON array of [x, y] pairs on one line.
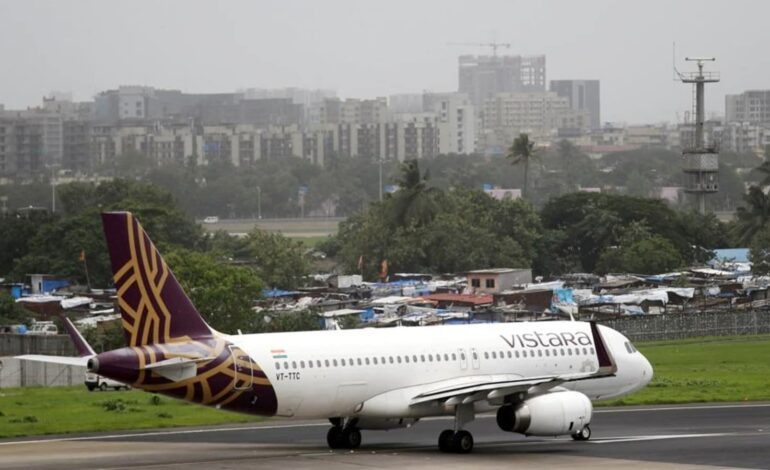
[[84, 349], [606, 362]]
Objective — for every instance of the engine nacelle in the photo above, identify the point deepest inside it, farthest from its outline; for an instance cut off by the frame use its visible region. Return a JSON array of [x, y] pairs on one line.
[[552, 414]]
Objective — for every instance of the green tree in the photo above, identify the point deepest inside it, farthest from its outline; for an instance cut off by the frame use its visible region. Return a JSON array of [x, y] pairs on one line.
[[10, 312], [522, 151], [752, 217], [414, 202], [277, 260], [222, 293], [56, 246], [759, 252]]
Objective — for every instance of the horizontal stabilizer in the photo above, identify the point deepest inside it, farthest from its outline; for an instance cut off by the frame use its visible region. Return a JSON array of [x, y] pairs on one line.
[[177, 369], [66, 360]]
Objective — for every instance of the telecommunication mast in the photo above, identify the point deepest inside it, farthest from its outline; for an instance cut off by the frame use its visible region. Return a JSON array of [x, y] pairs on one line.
[[701, 161]]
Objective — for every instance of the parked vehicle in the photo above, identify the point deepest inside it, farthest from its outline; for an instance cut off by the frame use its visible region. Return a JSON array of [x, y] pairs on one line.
[[94, 381], [43, 328]]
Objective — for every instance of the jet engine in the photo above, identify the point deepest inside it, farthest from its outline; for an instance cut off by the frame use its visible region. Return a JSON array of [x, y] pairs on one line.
[[552, 414]]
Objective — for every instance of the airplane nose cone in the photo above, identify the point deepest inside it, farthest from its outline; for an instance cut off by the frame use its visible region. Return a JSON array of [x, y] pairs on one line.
[[647, 371]]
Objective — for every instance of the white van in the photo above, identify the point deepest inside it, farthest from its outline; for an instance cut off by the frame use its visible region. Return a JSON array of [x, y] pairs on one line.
[[94, 381], [212, 219]]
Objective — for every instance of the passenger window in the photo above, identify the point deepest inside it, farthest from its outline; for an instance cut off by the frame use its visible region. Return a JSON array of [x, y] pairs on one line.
[[285, 364], [585, 351], [592, 350], [326, 362], [318, 363], [334, 361], [277, 366], [438, 357], [342, 362], [310, 364], [301, 364], [547, 353], [293, 364], [430, 357], [517, 354], [422, 357], [454, 356], [374, 359], [366, 360], [486, 355], [539, 353], [358, 361], [446, 357], [494, 355], [509, 354], [398, 359], [391, 359], [569, 351], [414, 358]]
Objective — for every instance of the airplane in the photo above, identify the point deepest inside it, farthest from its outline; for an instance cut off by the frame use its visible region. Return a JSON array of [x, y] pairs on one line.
[[538, 377]]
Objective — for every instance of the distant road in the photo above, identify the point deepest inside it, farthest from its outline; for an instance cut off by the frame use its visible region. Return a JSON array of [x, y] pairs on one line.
[[294, 227]]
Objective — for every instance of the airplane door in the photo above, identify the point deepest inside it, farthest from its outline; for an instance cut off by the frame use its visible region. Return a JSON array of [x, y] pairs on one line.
[[474, 358], [244, 368], [463, 359]]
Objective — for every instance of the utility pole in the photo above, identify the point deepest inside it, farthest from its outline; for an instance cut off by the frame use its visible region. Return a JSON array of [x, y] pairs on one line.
[[259, 203], [380, 163]]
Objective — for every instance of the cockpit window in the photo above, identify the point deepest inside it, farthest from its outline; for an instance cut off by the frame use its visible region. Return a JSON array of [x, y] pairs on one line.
[[629, 347]]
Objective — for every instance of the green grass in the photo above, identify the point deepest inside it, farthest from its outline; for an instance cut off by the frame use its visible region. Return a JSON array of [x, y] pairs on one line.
[[61, 410], [705, 370], [689, 371]]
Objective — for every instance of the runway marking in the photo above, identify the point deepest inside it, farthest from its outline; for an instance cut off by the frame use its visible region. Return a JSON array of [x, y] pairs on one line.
[[683, 407], [612, 440], [325, 424]]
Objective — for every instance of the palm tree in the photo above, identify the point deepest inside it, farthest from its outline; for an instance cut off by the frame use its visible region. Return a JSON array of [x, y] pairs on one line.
[[415, 201], [764, 168], [752, 218], [522, 151]]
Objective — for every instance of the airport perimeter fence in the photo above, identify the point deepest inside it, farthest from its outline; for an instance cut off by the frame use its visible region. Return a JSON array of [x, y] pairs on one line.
[[691, 325]]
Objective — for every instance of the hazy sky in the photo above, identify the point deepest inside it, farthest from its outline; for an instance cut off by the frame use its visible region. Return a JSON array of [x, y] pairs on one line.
[[365, 48]]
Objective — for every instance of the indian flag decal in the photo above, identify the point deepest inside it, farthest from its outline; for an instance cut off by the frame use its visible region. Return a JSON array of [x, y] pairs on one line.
[[278, 353]]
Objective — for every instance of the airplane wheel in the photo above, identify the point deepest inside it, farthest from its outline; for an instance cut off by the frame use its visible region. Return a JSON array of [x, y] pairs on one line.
[[582, 435], [445, 440], [335, 438], [462, 442], [351, 438], [103, 386]]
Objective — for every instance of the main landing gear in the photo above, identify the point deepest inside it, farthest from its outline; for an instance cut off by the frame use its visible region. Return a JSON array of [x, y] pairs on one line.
[[346, 436], [582, 435], [458, 440]]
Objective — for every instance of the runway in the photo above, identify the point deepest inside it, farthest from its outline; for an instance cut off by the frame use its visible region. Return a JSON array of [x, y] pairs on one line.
[[653, 437]]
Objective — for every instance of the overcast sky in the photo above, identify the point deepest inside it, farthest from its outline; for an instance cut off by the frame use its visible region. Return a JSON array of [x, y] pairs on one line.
[[365, 49]]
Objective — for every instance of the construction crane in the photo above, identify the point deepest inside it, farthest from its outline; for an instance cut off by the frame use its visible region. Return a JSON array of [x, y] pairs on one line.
[[493, 45]]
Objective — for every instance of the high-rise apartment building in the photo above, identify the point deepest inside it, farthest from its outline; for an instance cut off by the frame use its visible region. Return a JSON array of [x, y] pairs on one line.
[[482, 77], [582, 95], [751, 106], [456, 121]]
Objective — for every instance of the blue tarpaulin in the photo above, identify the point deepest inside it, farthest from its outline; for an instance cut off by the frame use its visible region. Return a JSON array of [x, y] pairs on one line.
[[273, 293]]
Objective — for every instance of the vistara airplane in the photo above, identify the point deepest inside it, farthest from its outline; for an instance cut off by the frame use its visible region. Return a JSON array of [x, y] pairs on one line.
[[539, 377]]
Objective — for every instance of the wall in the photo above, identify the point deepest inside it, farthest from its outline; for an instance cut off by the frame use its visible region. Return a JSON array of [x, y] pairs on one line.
[[18, 373], [690, 325], [55, 345]]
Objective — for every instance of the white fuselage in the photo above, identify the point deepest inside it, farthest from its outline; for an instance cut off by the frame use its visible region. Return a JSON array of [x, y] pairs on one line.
[[323, 374]]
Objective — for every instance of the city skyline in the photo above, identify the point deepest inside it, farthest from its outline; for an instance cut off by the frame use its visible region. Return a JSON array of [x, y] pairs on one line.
[[363, 49]]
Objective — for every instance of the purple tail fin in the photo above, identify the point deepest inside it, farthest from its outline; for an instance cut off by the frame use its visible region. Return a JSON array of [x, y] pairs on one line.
[[153, 305]]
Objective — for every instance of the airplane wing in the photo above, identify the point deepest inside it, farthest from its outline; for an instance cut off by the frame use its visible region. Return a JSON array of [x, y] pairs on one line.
[[66, 360]]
